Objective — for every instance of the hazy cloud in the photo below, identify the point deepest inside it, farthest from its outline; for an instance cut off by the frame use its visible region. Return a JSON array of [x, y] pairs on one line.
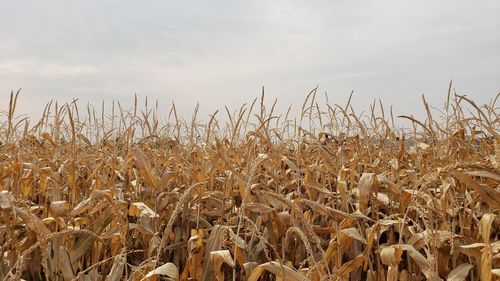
[[222, 52]]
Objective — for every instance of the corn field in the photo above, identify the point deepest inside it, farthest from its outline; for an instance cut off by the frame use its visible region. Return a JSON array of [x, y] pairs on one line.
[[252, 194]]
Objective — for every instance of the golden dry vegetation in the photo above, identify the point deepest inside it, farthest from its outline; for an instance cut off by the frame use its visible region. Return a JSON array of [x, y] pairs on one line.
[[329, 195]]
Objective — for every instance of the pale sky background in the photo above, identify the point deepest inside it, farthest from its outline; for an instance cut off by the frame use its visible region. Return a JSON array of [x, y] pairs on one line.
[[222, 52]]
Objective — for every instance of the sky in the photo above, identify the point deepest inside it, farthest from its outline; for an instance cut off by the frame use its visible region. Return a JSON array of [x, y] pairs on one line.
[[223, 52]]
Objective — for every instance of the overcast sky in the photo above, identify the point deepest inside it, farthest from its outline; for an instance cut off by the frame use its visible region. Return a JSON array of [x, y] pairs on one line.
[[222, 52]]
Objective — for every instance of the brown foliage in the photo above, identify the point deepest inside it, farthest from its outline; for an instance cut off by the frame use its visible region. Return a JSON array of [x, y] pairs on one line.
[[333, 196]]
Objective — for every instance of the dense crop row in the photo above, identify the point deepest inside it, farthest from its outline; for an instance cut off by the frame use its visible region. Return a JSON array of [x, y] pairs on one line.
[[330, 195]]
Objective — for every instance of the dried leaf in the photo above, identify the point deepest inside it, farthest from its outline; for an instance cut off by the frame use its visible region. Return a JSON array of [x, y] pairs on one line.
[[460, 272], [488, 194], [139, 209], [422, 263], [391, 255], [59, 208], [354, 233], [365, 185], [223, 256], [117, 269], [351, 265], [145, 168], [281, 271], [5, 200], [169, 271], [258, 207]]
